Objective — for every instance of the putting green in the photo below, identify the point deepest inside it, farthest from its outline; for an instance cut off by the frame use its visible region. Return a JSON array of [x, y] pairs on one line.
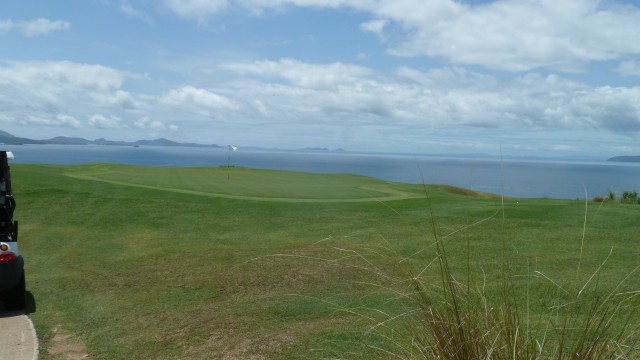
[[247, 184]]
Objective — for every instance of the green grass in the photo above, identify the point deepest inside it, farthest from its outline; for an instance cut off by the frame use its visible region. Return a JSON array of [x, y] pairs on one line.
[[202, 263]]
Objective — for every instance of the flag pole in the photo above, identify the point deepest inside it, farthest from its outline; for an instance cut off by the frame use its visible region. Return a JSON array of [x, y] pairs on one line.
[[231, 148]]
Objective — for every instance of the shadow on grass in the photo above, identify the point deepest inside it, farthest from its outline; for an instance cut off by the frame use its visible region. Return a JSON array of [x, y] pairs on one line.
[[29, 307]]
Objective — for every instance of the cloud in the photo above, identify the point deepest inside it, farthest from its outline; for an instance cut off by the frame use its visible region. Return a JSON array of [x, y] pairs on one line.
[[375, 26], [515, 35], [199, 10], [117, 98], [303, 74], [156, 125], [197, 100], [133, 12], [330, 100], [53, 79], [6, 25], [446, 98], [35, 27], [42, 27], [279, 4], [129, 10], [58, 93], [105, 122], [629, 68], [613, 109], [68, 120], [506, 35], [292, 89], [59, 120]]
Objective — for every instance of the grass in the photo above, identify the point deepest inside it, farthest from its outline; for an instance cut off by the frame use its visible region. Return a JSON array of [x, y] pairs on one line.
[[463, 323], [200, 263]]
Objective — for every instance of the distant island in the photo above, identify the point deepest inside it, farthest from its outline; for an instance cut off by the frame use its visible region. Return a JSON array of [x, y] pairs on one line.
[[625, 159], [8, 139], [320, 149]]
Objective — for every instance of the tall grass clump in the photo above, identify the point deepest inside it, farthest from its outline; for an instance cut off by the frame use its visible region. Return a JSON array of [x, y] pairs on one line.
[[453, 314], [460, 321], [629, 197]]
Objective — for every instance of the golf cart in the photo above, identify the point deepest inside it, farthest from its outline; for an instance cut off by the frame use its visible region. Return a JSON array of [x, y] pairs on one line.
[[12, 287]]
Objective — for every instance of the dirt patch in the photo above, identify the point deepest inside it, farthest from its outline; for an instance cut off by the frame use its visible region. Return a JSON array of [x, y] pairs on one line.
[[467, 192], [63, 347], [221, 347], [254, 349], [459, 191]]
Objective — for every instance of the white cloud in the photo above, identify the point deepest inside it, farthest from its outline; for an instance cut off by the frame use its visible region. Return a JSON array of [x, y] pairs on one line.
[[59, 120], [290, 90], [68, 120], [156, 125], [199, 10], [57, 94], [133, 12], [515, 35], [614, 109], [53, 87], [43, 27], [35, 27], [278, 4], [6, 25], [447, 98], [117, 98], [105, 122], [129, 10], [56, 75], [259, 105], [449, 77], [335, 99], [375, 26], [508, 35], [629, 68], [195, 99], [303, 74]]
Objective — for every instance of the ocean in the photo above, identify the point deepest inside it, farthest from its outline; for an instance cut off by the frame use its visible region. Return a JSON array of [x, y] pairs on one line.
[[514, 178]]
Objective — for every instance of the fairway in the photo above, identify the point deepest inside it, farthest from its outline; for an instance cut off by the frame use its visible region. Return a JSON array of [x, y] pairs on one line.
[[233, 263]]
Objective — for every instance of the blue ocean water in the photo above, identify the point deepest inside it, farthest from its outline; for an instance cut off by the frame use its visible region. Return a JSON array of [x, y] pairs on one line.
[[516, 178]]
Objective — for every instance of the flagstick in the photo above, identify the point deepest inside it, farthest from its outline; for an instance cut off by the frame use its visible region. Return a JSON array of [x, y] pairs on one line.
[[231, 149]]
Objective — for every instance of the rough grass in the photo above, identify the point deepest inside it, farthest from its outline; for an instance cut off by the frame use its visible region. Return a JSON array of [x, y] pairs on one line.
[[228, 269]]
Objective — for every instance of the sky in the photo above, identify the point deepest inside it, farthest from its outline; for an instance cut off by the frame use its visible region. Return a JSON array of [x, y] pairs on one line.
[[542, 78]]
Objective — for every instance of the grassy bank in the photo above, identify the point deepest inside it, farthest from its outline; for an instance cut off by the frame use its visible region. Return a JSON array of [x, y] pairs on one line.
[[146, 262]]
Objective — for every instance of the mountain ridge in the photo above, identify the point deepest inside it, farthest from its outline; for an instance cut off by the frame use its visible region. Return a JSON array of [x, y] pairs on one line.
[[9, 139]]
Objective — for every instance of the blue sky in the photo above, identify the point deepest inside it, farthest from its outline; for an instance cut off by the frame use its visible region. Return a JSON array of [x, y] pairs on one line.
[[525, 77]]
